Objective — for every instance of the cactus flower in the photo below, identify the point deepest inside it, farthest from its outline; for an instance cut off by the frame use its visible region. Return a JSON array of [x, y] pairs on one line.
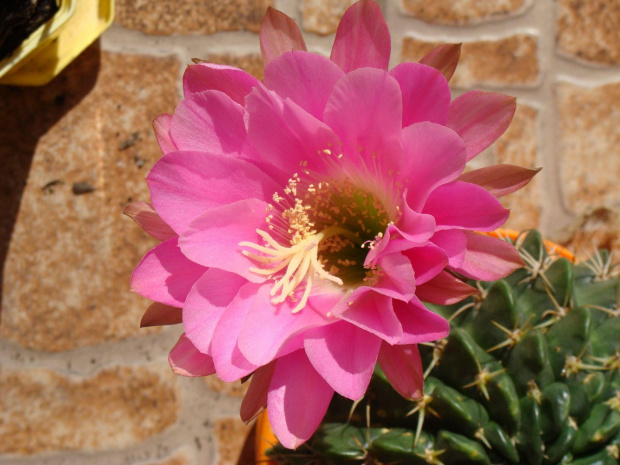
[[305, 218]]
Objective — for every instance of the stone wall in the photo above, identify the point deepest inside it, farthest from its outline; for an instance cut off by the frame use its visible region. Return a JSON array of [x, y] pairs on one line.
[[79, 381]]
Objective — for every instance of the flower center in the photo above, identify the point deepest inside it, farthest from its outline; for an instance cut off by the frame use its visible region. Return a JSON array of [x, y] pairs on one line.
[[317, 231]]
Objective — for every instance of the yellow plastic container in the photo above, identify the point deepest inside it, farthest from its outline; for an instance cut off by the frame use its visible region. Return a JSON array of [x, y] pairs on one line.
[[40, 38], [47, 58]]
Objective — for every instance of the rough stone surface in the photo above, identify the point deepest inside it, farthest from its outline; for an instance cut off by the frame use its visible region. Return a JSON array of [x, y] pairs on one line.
[[251, 63], [42, 411], [596, 229], [463, 11], [512, 61], [589, 146], [191, 16], [589, 30], [235, 389], [178, 458], [80, 148], [322, 16], [230, 434], [519, 146]]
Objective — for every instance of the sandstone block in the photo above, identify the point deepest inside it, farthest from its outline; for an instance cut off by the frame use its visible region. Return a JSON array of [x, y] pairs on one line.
[[510, 61], [42, 411], [74, 153], [457, 12], [168, 17], [322, 16], [589, 30]]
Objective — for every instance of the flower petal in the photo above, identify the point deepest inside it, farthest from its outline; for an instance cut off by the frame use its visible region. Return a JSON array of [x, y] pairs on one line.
[[255, 399], [298, 399], [234, 82], [213, 238], [149, 220], [206, 303], [306, 78], [500, 180], [278, 34], [373, 312], [230, 363], [365, 110], [403, 368], [209, 121], [426, 95], [279, 324], [362, 39], [286, 136], [397, 279], [453, 243], [344, 355], [419, 323], [435, 155], [480, 118], [184, 185], [161, 127], [165, 275], [161, 315], [186, 360], [488, 258], [462, 205], [427, 262], [444, 289], [443, 58]]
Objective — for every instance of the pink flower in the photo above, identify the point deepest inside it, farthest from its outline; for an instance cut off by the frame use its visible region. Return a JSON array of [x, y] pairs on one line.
[[304, 219]]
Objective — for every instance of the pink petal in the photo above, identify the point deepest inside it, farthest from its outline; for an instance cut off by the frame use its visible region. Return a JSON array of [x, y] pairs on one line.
[[417, 228], [396, 277], [230, 363], [149, 220], [427, 262], [279, 324], [234, 82], [186, 360], [165, 275], [184, 185], [488, 258], [298, 399], [206, 303], [434, 155], [453, 243], [209, 121], [480, 118], [426, 95], [344, 355], [373, 312], [279, 34], [161, 315], [306, 78], [161, 127], [362, 39], [443, 58], [463, 205], [255, 399], [500, 180], [403, 368], [285, 135], [419, 323], [365, 110], [213, 238], [444, 289]]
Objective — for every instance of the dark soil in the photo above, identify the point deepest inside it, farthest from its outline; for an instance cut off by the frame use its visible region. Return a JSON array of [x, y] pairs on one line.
[[19, 19]]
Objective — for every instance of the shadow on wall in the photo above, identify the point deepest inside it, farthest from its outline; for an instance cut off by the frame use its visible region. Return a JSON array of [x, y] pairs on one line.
[[26, 115]]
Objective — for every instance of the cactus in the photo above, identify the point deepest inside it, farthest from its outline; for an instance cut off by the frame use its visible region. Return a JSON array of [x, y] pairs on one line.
[[528, 375]]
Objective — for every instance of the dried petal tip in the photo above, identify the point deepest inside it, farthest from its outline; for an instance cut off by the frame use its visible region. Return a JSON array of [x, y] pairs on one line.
[[501, 179], [443, 58], [161, 315], [279, 34]]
